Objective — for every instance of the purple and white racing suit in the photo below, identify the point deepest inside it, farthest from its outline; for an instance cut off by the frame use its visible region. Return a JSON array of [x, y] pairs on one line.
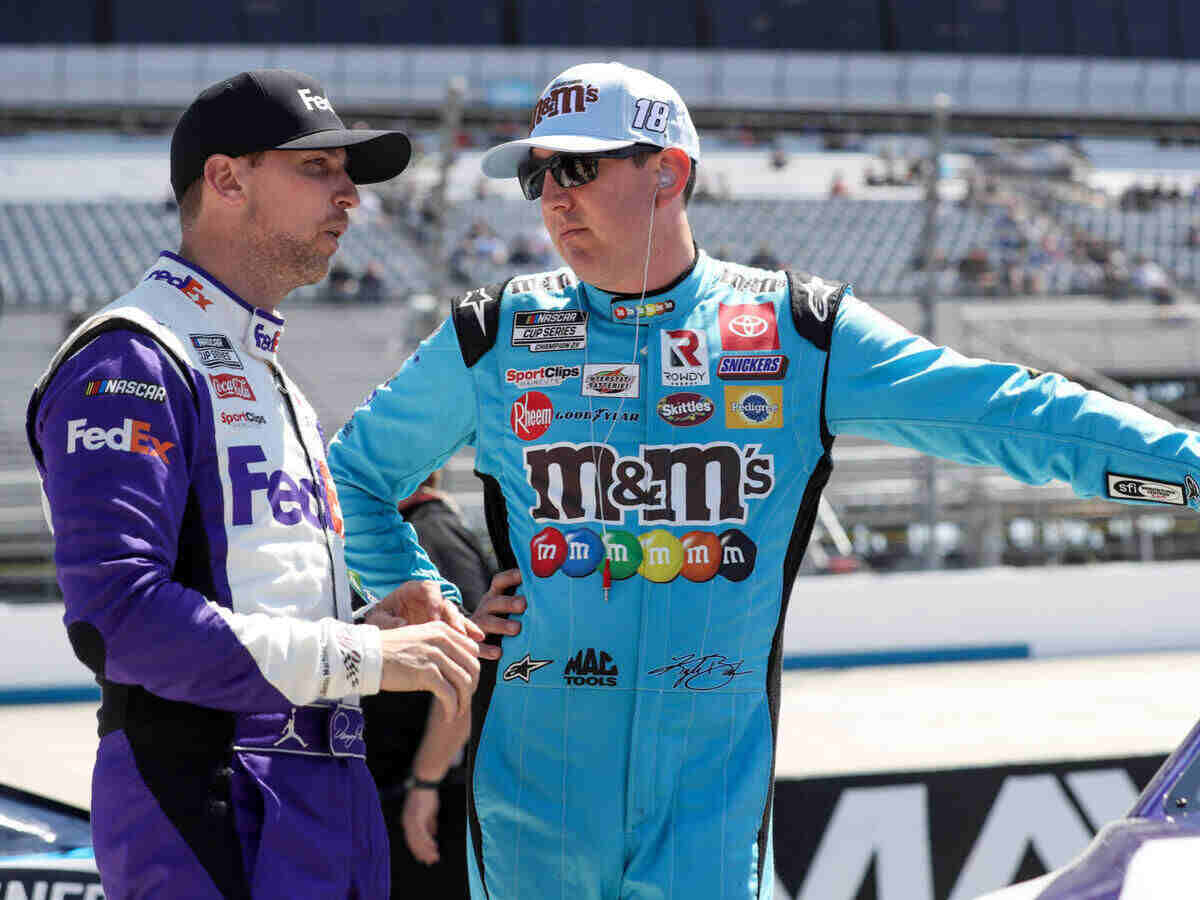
[[199, 550]]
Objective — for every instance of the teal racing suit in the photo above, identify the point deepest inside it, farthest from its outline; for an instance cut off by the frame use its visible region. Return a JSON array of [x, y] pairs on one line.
[[674, 448]]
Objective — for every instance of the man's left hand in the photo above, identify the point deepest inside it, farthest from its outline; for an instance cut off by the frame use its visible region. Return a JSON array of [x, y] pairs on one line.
[[417, 602]]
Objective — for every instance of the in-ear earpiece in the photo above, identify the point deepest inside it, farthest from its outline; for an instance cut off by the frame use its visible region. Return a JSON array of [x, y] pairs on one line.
[[665, 179]]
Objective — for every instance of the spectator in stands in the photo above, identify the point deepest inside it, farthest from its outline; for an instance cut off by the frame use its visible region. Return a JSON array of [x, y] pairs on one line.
[[414, 754], [342, 284], [976, 272], [837, 185], [199, 540], [1151, 279], [764, 258], [371, 287]]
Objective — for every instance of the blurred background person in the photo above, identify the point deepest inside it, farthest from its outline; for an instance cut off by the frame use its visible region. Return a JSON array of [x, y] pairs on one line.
[[414, 753]]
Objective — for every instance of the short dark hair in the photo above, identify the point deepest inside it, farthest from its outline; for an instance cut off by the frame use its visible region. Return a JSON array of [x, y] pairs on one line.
[[189, 204], [640, 158]]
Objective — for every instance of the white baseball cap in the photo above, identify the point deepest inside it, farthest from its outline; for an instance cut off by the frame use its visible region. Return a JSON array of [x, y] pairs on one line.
[[600, 106]]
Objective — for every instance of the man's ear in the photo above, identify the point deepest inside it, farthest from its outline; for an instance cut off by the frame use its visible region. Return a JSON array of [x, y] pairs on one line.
[[674, 167], [222, 178]]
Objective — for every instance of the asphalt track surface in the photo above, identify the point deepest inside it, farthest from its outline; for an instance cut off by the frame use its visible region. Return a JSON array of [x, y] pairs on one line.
[[832, 722]]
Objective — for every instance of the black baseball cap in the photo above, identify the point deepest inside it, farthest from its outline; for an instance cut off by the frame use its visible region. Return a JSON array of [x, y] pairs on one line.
[[277, 109]]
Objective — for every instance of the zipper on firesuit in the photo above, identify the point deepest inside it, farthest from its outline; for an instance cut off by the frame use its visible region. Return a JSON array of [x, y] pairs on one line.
[[316, 477]]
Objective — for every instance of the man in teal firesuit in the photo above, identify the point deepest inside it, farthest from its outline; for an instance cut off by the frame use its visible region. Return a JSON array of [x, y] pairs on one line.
[[653, 430]]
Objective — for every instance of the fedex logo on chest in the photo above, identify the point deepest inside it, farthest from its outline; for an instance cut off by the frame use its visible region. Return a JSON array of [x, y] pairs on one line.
[[292, 500]]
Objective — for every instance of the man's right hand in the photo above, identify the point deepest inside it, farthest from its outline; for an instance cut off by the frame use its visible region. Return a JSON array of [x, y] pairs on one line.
[[432, 657], [494, 602]]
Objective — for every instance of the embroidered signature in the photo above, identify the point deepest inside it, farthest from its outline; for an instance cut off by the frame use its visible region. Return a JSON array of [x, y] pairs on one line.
[[341, 732], [704, 673]]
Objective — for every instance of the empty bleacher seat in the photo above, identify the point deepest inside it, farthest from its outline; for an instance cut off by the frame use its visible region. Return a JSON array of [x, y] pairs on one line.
[[925, 27], [741, 25], [665, 23], [548, 23], [984, 26], [1149, 28], [1098, 28], [1043, 27]]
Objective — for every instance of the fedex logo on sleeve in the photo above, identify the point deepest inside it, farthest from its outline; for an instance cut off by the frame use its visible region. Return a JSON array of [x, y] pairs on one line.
[[132, 436]]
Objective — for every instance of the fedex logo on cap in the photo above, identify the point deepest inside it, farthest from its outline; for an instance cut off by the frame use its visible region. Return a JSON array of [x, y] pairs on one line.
[[314, 101]]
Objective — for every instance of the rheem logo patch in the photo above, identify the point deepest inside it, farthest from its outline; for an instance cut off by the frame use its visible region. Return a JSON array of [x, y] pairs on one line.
[[531, 415]]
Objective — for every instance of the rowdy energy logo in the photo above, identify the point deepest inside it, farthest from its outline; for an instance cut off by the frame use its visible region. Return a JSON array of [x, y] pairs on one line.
[[684, 358], [754, 407], [658, 556], [680, 484]]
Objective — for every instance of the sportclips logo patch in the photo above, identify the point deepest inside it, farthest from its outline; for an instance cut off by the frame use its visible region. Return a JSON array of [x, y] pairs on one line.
[[542, 376], [563, 98], [658, 556], [682, 484]]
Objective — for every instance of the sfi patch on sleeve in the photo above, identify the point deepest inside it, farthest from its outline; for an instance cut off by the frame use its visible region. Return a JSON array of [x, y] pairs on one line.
[[1134, 487]]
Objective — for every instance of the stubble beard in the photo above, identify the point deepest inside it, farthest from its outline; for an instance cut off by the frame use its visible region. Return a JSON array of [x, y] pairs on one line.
[[282, 259]]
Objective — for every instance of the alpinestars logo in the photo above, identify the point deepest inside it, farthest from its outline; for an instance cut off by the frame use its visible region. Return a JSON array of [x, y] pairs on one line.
[[591, 668], [524, 667], [716, 481]]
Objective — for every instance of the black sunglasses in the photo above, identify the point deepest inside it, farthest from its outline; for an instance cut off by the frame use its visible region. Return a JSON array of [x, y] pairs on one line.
[[570, 169]]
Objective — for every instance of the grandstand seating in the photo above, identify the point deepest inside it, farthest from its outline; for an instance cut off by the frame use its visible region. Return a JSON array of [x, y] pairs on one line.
[[1042, 27], [1150, 30], [983, 26], [925, 27], [1097, 30]]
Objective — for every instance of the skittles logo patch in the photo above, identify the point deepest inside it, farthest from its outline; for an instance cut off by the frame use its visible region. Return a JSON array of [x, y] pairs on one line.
[[658, 555]]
